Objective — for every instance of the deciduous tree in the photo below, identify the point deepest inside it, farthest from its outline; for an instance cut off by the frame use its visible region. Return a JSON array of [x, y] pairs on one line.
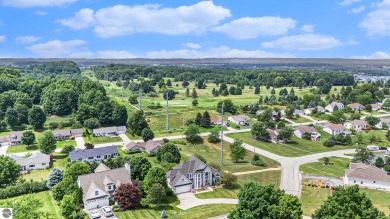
[[128, 196], [9, 170], [363, 155], [47, 142], [237, 151], [192, 134], [147, 134], [137, 122], [36, 117], [169, 153], [28, 137], [68, 207]]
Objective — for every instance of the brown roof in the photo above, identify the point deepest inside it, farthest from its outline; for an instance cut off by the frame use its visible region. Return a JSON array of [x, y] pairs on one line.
[[376, 106], [15, 136], [151, 145], [386, 120], [359, 122], [365, 171], [355, 105], [77, 131], [306, 129], [215, 119], [240, 118], [4, 139], [273, 133], [333, 104], [335, 126], [61, 132]]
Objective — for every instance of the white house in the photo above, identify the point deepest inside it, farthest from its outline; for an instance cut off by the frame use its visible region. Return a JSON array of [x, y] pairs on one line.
[[149, 146], [99, 187], [357, 125], [334, 129], [13, 139], [309, 111], [193, 174], [98, 154], [334, 105], [298, 112], [239, 119], [36, 161], [301, 130], [273, 135], [356, 106], [382, 121], [367, 176], [109, 131], [376, 106]]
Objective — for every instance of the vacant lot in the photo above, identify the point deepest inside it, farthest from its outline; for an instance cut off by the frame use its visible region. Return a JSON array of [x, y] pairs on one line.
[[319, 169]]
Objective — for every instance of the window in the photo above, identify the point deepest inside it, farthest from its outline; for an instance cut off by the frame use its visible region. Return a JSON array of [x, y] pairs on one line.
[[190, 175], [361, 182], [44, 164], [32, 165], [182, 180], [374, 181], [109, 187], [91, 158], [96, 193], [98, 156]]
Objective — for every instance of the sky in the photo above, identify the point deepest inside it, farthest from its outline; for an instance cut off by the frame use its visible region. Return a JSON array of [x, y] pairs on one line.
[[195, 29]]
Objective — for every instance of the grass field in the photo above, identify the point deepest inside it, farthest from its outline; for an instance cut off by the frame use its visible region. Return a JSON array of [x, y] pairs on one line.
[[211, 152], [300, 119], [220, 193], [298, 147], [101, 140], [49, 204], [319, 169], [34, 147]]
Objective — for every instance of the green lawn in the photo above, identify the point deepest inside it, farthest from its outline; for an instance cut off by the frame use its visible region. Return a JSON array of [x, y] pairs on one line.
[[61, 144], [262, 178], [211, 152], [220, 193], [49, 204], [380, 199], [22, 148], [102, 140], [59, 161], [300, 119], [319, 169], [298, 147]]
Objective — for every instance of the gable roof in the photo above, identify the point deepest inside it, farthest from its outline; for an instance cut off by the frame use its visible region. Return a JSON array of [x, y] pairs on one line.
[[239, 118], [376, 106], [273, 133], [61, 132], [359, 122], [77, 131], [355, 105], [305, 128], [35, 158], [15, 136], [334, 127], [4, 139], [102, 167], [365, 171], [333, 104], [85, 153], [215, 119], [151, 145]]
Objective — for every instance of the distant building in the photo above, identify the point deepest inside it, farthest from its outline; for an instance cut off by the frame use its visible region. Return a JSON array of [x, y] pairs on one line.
[[376, 106], [309, 111], [301, 130], [217, 121], [298, 112], [109, 131], [356, 106], [334, 129], [66, 134], [333, 106], [273, 135], [98, 154], [239, 119], [36, 161], [367, 176], [357, 125], [149, 146], [13, 139], [383, 121]]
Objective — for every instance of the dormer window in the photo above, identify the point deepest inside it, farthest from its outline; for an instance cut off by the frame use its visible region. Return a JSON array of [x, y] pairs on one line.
[[182, 180], [109, 187], [96, 193], [190, 175]]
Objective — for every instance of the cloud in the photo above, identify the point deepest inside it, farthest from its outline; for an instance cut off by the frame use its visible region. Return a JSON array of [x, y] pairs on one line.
[[219, 52], [357, 10], [192, 45], [115, 54], [308, 28], [36, 3], [26, 39], [348, 2], [82, 19], [2, 38], [40, 13], [253, 27], [58, 48], [303, 42], [352, 42], [377, 22], [376, 55], [122, 20]]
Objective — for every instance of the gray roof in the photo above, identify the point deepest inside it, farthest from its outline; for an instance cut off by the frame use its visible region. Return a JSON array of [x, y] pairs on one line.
[[366, 171], [304, 128], [4, 139], [85, 153], [112, 129], [148, 146], [35, 158], [15, 136]]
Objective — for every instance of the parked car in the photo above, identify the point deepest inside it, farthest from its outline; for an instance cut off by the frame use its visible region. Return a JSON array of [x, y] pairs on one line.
[[107, 211], [94, 214], [383, 148], [373, 148]]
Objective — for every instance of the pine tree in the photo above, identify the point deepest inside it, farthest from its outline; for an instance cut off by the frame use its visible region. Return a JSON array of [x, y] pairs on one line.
[[188, 92], [194, 94], [206, 121], [198, 119], [257, 90]]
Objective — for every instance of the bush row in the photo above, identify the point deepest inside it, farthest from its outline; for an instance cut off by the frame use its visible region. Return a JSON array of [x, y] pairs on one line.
[[22, 188]]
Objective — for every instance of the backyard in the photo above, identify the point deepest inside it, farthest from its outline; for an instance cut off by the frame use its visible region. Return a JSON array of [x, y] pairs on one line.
[[58, 161]]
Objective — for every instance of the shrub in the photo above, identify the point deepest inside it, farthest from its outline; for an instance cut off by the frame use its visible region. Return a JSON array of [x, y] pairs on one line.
[[328, 143], [53, 125], [229, 179], [67, 149], [22, 188], [257, 161]]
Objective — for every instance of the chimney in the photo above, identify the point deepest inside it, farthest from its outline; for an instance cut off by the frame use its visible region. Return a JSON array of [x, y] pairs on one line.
[[127, 166]]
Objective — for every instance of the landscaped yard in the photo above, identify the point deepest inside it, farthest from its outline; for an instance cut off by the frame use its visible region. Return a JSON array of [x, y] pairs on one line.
[[61, 144], [300, 119], [49, 204], [22, 148], [211, 152], [262, 178], [101, 140], [319, 169], [220, 193], [59, 160], [298, 147]]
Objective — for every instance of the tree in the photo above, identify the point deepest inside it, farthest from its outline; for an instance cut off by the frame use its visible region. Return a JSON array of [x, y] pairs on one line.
[[229, 107], [368, 108], [47, 142], [214, 137], [133, 99], [363, 155], [119, 114], [385, 126], [9, 170], [91, 123], [169, 153], [28, 137], [257, 90], [259, 131], [171, 94], [137, 122], [192, 134], [188, 92], [169, 83], [194, 94], [156, 194], [147, 134], [238, 152], [128, 196], [25, 207], [68, 207], [88, 145], [289, 111], [11, 117], [36, 117], [55, 177], [379, 162], [22, 113], [372, 121], [286, 133], [77, 169], [348, 203], [195, 102], [256, 201], [67, 149], [198, 119], [228, 180], [185, 83], [257, 161], [140, 167], [155, 175], [206, 121], [388, 135]]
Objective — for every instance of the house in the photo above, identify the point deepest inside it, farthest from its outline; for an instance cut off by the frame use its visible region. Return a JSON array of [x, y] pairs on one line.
[[15, 138], [193, 174], [309, 111], [276, 115], [273, 135], [61, 134], [98, 154], [334, 106], [77, 132], [98, 188], [376, 106], [298, 112], [149, 146], [357, 125], [367, 176], [4, 141], [239, 119], [35, 161], [109, 131], [356, 106], [217, 121], [334, 129], [301, 130], [382, 121]]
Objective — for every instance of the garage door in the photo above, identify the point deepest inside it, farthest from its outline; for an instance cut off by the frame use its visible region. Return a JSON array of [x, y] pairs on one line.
[[183, 189], [96, 204]]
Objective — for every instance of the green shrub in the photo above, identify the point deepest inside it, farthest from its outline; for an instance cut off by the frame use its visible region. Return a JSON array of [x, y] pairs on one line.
[[67, 149], [22, 188]]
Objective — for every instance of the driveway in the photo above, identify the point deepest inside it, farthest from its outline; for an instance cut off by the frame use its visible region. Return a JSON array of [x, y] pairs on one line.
[[3, 150], [101, 214], [80, 142], [124, 138], [188, 200]]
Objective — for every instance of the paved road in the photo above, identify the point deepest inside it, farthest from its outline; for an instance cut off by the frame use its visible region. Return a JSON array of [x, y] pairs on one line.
[[189, 200]]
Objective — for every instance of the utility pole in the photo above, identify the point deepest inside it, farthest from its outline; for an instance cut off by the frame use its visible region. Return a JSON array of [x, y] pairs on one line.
[[222, 136], [167, 112], [121, 86], [140, 99]]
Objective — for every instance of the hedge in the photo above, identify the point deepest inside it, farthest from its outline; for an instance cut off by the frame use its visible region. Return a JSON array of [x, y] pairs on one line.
[[22, 188]]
